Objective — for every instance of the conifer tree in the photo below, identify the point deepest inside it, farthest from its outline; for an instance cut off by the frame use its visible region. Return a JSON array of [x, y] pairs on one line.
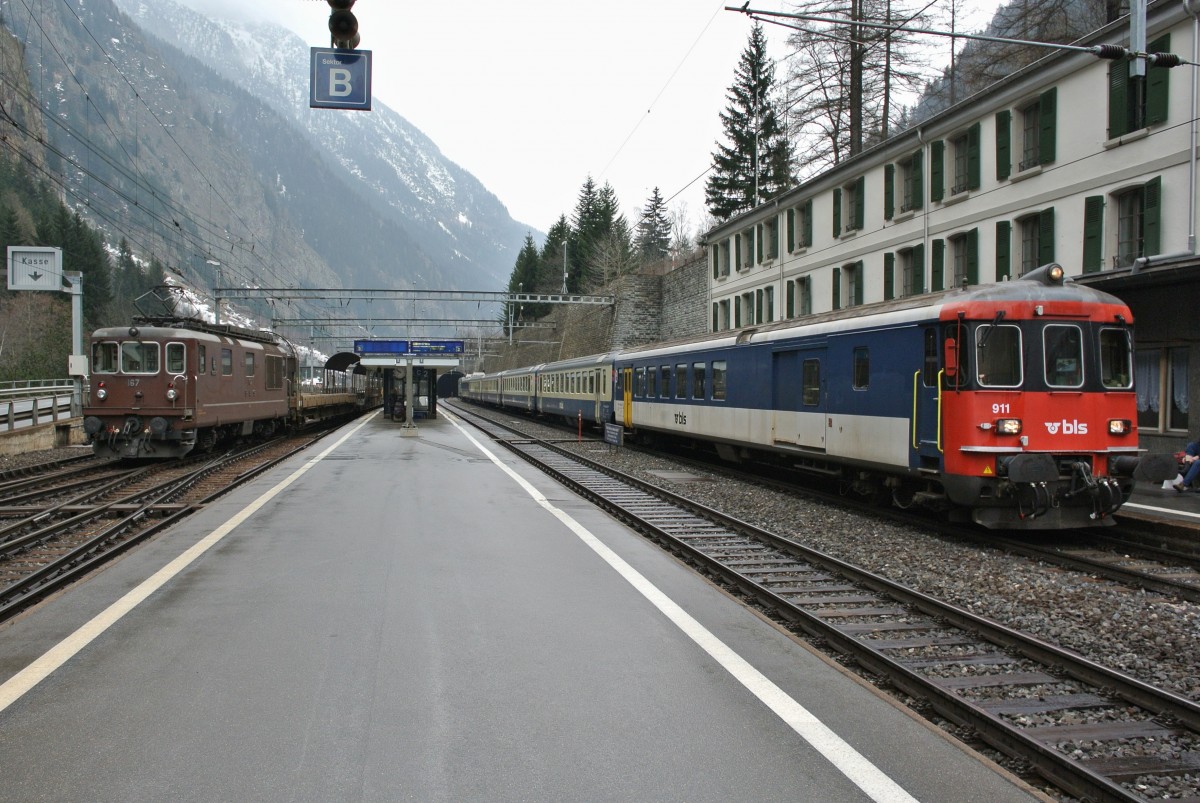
[[653, 241], [755, 163], [523, 279]]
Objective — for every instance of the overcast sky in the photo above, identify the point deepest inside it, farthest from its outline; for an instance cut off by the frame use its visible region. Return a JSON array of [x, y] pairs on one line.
[[532, 96]]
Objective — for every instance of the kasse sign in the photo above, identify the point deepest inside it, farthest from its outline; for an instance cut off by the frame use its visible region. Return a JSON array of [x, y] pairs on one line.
[[340, 79]]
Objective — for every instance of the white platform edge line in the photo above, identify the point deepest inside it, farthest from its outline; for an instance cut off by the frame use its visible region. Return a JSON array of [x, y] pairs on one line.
[[19, 684], [860, 771]]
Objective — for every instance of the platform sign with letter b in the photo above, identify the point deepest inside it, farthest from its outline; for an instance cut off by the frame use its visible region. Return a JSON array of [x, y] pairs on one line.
[[340, 79]]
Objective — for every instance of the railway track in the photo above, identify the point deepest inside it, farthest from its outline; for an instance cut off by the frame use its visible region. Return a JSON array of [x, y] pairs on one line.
[[46, 547], [1026, 697]]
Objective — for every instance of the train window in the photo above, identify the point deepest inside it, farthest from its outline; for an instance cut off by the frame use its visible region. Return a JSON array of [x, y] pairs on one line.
[[1116, 359], [651, 382], [930, 373], [1063, 345], [698, 380], [201, 359], [226, 362], [664, 385], [139, 358], [718, 380], [592, 375], [862, 368], [104, 358], [681, 385], [248, 361], [998, 356], [639, 387], [175, 359], [810, 382]]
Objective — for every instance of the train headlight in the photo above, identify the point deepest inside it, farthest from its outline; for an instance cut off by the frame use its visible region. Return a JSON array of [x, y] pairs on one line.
[[1056, 274], [172, 394], [101, 394], [1120, 426], [1008, 426]]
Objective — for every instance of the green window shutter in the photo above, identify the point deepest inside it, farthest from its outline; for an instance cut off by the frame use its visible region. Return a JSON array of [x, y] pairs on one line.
[[1152, 218], [808, 223], [837, 212], [937, 280], [859, 270], [1157, 84], [860, 192], [837, 288], [714, 325], [1046, 236], [1118, 98], [791, 230], [973, 256], [937, 170], [1093, 233], [1003, 249], [889, 191], [1003, 145], [737, 252], [758, 306], [758, 237], [737, 312], [974, 160], [806, 305], [791, 299], [715, 261], [889, 276], [918, 269], [918, 168], [1048, 111]]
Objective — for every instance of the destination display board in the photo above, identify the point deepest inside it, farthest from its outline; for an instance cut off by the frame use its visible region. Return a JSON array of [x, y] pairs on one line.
[[408, 346]]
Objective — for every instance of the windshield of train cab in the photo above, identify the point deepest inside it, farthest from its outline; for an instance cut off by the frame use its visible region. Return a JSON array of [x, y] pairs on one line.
[[1055, 355], [128, 357]]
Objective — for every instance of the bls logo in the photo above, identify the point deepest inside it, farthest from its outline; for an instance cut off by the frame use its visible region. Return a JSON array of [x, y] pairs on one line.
[[1075, 427]]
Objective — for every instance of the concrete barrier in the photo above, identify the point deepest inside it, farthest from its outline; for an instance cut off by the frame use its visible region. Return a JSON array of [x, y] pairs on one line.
[[67, 432]]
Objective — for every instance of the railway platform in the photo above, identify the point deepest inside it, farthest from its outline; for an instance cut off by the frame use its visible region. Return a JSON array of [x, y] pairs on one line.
[[1154, 503], [428, 618]]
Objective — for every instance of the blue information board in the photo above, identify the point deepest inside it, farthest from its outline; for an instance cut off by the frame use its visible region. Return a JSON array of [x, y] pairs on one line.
[[408, 347], [339, 79], [436, 346]]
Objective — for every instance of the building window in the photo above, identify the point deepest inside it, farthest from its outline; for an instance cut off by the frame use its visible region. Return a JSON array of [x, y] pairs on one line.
[[768, 244], [745, 250], [1131, 210], [1138, 102], [1030, 128], [1030, 228], [799, 226], [1161, 380], [768, 305], [910, 183], [960, 149], [906, 270]]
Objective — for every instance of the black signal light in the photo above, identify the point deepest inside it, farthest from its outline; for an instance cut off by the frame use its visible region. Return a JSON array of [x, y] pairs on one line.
[[343, 25]]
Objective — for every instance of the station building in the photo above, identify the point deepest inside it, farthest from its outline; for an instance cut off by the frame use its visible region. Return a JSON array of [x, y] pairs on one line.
[[1071, 160]]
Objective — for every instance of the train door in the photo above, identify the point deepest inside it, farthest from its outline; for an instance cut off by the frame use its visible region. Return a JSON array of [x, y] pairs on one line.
[[627, 396], [926, 400], [798, 398]]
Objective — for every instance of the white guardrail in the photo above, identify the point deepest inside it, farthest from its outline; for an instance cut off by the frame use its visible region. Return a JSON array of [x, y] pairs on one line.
[[30, 402]]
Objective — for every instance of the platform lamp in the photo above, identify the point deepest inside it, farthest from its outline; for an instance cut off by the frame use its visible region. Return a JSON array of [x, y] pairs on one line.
[[343, 26]]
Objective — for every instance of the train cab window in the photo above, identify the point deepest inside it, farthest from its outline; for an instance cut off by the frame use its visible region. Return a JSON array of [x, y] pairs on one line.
[[248, 362], [998, 356], [104, 358], [1063, 345], [226, 362], [698, 380], [681, 385], [718, 380], [665, 381], [175, 359], [139, 358], [810, 382], [862, 368], [1116, 359]]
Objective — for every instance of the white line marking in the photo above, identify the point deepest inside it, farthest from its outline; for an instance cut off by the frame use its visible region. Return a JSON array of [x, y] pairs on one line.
[[1162, 510], [865, 775], [16, 686]]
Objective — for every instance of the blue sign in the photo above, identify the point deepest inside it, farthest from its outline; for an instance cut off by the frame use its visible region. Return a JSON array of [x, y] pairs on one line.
[[380, 346], [340, 79]]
